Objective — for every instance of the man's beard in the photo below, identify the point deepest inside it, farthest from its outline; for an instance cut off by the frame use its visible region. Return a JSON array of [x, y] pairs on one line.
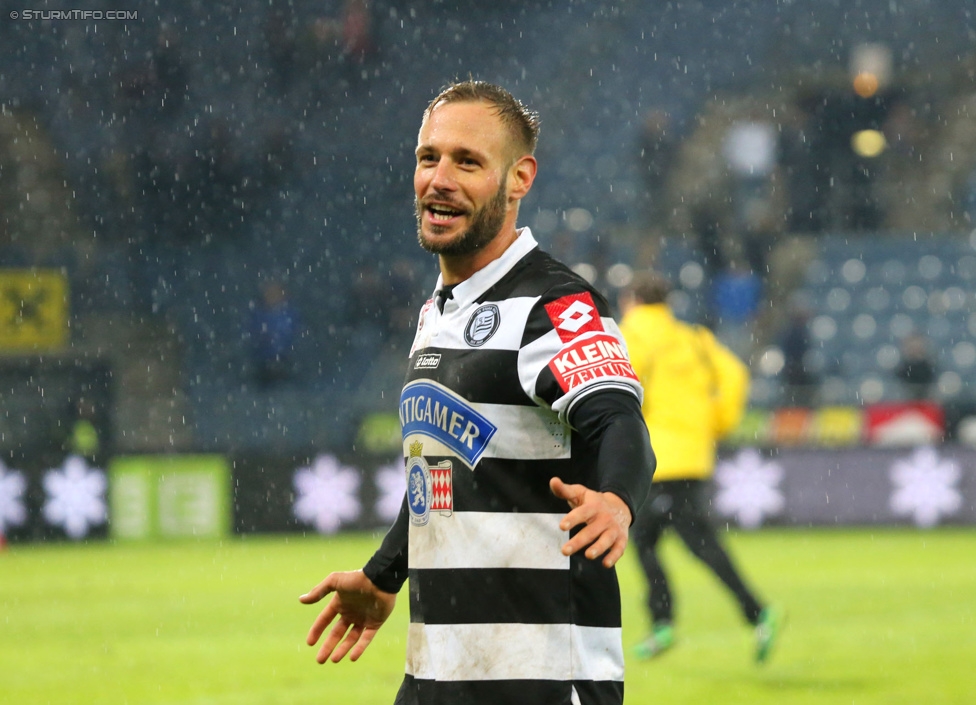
[[486, 223]]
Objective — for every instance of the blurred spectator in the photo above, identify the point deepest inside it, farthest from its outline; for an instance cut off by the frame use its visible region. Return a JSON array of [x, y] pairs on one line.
[[736, 296], [916, 372], [281, 39], [274, 328], [367, 301], [170, 76], [750, 147], [725, 180], [83, 434], [402, 306], [658, 144], [799, 381], [801, 155], [219, 184], [357, 30], [336, 40], [707, 226]]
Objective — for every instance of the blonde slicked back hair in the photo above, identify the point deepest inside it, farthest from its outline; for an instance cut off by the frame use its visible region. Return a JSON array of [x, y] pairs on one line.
[[522, 123]]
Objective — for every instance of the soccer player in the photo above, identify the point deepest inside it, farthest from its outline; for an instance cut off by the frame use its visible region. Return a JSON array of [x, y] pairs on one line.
[[519, 400], [695, 392]]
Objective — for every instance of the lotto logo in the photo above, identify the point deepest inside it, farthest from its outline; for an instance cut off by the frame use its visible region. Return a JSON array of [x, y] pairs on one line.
[[573, 315]]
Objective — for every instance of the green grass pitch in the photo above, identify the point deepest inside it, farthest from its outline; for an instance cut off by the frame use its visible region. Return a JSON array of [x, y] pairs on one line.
[[874, 616]]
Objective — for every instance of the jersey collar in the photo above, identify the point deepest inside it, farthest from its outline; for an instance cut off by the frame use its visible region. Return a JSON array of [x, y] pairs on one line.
[[470, 289]]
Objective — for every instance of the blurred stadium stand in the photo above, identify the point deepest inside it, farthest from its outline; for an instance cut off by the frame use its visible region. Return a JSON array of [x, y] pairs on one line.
[[188, 156]]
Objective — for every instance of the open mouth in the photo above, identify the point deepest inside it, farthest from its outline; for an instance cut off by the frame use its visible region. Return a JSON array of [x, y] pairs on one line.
[[442, 214]]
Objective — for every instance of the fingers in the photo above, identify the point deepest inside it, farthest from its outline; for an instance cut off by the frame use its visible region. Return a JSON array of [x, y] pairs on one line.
[[364, 641], [615, 553], [319, 591], [321, 622], [334, 644], [596, 537], [571, 493], [604, 531], [335, 647], [610, 541]]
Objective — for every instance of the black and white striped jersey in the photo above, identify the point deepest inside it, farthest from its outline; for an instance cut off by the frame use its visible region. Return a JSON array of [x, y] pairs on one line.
[[497, 613]]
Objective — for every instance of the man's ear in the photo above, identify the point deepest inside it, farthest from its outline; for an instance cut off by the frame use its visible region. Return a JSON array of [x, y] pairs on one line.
[[520, 177]]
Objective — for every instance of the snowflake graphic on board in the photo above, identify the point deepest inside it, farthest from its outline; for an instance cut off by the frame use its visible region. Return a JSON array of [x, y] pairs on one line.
[[12, 509], [75, 496], [925, 487], [748, 488], [391, 483], [326, 494]]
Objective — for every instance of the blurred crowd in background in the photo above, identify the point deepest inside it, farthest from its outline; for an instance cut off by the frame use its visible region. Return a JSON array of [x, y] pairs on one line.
[[227, 190]]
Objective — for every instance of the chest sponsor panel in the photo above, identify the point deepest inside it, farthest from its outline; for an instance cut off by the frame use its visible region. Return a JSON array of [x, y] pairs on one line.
[[477, 431], [432, 410]]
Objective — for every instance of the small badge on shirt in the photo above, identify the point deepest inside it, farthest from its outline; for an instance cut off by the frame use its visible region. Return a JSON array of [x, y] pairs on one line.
[[482, 325], [574, 315], [596, 357], [427, 361], [429, 489]]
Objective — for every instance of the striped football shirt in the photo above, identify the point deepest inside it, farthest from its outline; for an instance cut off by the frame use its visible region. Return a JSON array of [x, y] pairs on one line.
[[497, 613]]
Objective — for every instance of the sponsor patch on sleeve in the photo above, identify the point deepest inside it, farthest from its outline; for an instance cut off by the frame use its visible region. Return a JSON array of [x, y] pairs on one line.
[[574, 315], [592, 358]]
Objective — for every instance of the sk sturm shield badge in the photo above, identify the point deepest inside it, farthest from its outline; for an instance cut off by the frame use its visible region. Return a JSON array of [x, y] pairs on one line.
[[482, 325], [428, 489]]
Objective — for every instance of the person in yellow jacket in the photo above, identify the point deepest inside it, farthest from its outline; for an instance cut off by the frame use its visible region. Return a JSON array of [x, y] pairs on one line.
[[695, 393]]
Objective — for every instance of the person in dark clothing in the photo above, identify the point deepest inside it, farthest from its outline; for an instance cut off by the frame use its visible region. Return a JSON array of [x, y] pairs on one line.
[[916, 372]]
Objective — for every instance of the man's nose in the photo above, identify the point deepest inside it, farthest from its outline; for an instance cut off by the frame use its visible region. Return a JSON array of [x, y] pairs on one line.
[[443, 178]]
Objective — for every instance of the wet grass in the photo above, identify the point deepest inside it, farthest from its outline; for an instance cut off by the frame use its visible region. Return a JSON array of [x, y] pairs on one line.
[[874, 616]]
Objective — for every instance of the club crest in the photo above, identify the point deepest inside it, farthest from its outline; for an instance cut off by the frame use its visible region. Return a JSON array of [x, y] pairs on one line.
[[482, 325], [429, 489]]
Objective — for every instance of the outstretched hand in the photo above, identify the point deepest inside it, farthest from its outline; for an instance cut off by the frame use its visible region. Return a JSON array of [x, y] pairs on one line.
[[606, 516], [361, 607]]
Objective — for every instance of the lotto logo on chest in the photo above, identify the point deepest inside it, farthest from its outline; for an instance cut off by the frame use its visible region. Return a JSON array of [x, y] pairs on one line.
[[429, 489]]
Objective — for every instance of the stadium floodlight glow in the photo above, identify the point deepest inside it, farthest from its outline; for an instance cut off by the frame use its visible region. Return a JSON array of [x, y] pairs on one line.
[[868, 143], [866, 84], [870, 68]]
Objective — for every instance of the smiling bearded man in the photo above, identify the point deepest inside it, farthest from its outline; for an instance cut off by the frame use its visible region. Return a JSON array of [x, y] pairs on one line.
[[519, 400], [486, 223]]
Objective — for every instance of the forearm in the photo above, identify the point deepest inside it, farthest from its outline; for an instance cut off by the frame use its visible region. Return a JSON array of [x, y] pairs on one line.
[[388, 566], [612, 422]]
